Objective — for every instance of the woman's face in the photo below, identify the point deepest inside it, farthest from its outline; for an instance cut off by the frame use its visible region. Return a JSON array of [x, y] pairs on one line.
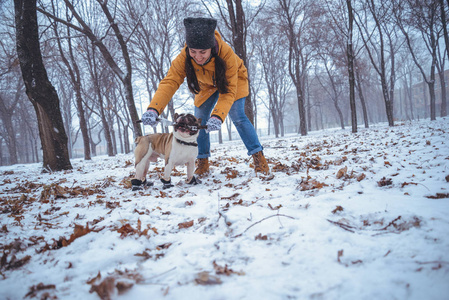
[[200, 55]]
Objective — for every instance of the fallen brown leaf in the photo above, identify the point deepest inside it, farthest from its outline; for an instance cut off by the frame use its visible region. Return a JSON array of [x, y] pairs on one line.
[[361, 177], [342, 172], [39, 287], [384, 182], [261, 237], [204, 278], [185, 224], [439, 196], [219, 270], [337, 209]]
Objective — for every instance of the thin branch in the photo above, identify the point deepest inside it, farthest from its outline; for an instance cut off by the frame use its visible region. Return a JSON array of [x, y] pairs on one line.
[[266, 218]]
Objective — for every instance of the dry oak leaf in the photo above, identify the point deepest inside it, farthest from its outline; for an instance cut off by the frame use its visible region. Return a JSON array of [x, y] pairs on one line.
[[230, 173], [261, 237], [342, 172], [78, 231], [185, 224], [337, 209], [204, 278], [361, 177], [274, 207], [106, 289], [125, 230], [384, 182], [439, 196], [219, 270], [39, 287], [311, 184]]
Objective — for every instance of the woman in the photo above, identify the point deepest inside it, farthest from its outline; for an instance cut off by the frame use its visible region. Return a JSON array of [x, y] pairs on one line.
[[219, 80]]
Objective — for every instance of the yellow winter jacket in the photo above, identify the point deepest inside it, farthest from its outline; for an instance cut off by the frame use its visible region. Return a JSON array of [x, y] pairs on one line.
[[236, 74]]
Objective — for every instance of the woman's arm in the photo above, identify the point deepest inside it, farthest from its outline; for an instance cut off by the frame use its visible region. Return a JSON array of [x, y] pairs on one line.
[[170, 84]]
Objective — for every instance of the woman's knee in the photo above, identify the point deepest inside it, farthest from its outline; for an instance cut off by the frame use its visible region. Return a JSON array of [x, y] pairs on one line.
[[239, 118]]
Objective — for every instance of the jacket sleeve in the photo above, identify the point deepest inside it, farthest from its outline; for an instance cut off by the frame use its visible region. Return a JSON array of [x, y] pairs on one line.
[[170, 84], [225, 101]]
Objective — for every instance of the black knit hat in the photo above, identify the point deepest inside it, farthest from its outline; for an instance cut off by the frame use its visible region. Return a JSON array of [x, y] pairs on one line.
[[200, 32]]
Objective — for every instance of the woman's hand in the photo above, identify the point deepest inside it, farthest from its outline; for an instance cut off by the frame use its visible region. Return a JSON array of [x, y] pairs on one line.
[[150, 117], [213, 124]]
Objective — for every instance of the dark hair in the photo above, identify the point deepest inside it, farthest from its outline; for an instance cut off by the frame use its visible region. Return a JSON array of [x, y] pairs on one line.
[[220, 80]]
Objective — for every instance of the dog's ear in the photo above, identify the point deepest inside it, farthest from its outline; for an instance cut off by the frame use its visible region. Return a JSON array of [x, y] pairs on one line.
[[199, 121], [176, 117]]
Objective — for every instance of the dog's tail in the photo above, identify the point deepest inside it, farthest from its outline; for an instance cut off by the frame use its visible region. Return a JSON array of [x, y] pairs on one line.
[[143, 143]]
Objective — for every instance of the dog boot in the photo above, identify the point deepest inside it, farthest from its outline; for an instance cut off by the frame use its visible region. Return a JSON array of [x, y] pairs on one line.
[[260, 163], [138, 185], [202, 167], [167, 184], [194, 181]]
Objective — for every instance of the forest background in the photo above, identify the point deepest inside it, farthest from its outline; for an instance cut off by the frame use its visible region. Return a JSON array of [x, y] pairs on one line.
[[76, 75]]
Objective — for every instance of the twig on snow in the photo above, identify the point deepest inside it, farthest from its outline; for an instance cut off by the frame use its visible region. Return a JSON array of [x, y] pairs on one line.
[[343, 226], [266, 218], [389, 224], [157, 275]]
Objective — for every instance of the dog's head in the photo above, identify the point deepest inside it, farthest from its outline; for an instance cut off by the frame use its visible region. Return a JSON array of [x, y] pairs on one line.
[[186, 125]]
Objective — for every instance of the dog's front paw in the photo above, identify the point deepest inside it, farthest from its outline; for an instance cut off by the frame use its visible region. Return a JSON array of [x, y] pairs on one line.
[[167, 183], [194, 181]]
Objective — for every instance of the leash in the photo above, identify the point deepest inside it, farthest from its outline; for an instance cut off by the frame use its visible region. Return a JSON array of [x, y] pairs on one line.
[[191, 127]]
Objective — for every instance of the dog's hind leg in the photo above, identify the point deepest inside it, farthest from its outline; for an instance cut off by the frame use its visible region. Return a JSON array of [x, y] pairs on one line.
[[143, 165], [142, 155]]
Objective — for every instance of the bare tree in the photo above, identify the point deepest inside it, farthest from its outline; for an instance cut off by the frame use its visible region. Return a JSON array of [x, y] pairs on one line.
[[443, 8], [238, 19], [412, 16], [6, 115], [333, 86], [441, 61], [157, 38], [277, 84], [359, 84], [381, 44], [351, 58], [40, 91], [342, 16], [95, 71], [296, 20], [125, 75], [75, 78]]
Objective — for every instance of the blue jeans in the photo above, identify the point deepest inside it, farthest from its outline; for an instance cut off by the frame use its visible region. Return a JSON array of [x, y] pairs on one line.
[[241, 122]]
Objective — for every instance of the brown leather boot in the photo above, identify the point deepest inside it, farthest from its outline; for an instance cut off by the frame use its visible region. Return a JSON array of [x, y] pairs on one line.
[[260, 163], [202, 167]]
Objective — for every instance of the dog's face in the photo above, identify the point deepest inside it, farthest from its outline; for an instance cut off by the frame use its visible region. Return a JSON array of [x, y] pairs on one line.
[[186, 126]]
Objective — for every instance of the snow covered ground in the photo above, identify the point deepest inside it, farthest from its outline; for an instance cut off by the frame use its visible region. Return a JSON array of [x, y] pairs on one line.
[[346, 216]]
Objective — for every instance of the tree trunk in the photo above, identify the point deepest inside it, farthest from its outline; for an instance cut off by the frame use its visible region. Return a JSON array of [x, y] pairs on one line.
[[302, 113], [238, 28], [444, 24], [443, 111], [39, 90], [75, 77], [350, 55], [6, 114], [11, 139], [362, 99], [431, 84]]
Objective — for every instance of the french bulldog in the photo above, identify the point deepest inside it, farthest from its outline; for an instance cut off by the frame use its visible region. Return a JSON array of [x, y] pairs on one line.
[[177, 148]]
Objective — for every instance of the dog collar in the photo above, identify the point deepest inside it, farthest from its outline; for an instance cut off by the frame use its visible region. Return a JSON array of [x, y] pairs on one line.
[[186, 143]]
